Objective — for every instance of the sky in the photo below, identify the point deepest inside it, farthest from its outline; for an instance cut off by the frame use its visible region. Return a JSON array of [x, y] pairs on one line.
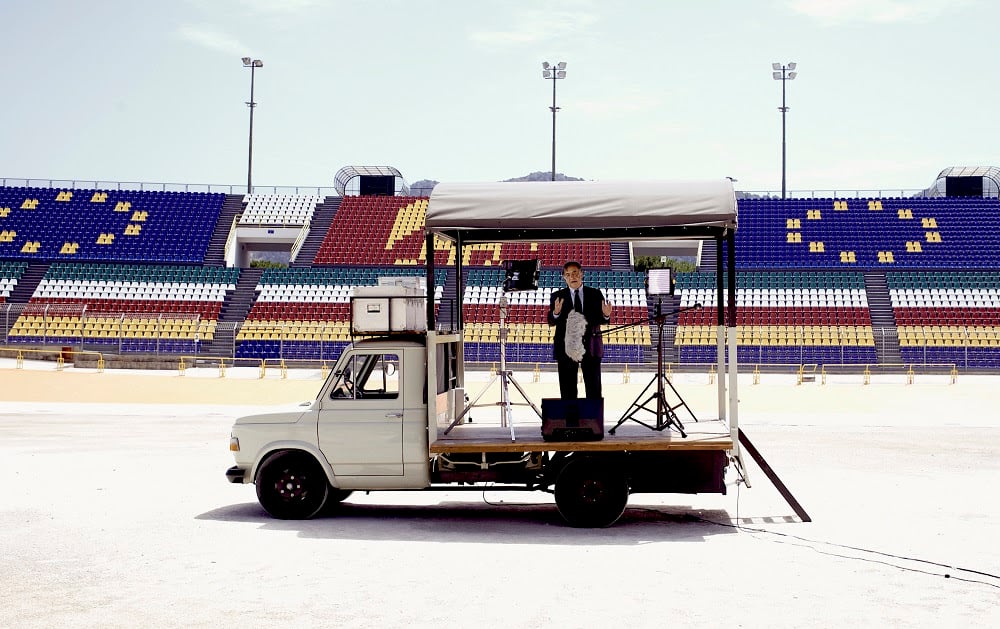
[[888, 92]]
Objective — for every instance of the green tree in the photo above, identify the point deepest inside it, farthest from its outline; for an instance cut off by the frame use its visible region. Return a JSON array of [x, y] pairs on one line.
[[644, 263]]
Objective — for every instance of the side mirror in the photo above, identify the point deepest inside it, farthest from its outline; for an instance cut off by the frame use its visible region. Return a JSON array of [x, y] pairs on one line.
[[389, 369]]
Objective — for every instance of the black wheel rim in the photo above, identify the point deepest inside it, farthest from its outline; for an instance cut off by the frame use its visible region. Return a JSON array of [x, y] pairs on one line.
[[292, 486]]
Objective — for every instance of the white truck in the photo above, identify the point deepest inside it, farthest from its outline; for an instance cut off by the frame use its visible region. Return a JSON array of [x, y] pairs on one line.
[[390, 415]]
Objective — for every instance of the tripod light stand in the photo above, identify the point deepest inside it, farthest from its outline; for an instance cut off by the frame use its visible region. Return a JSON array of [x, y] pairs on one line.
[[665, 412], [519, 277]]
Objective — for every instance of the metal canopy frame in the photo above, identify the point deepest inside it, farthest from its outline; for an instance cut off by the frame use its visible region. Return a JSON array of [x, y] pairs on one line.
[[724, 235]]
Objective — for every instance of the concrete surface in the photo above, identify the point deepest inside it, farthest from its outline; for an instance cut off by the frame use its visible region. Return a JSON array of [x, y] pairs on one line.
[[116, 513]]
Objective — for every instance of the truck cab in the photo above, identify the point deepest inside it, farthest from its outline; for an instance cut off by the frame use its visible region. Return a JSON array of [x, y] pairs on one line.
[[366, 429]]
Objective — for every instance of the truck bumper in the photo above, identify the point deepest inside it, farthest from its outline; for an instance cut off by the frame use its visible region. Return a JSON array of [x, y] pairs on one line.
[[235, 474]]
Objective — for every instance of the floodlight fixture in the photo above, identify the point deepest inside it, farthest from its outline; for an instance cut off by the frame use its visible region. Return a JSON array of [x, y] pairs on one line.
[[783, 73], [253, 64], [553, 71]]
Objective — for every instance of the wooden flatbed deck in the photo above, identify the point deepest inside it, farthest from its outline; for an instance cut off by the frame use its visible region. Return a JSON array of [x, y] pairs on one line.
[[702, 435]]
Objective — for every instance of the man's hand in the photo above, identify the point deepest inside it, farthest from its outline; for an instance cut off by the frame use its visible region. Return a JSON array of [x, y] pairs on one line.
[[606, 309], [557, 306]]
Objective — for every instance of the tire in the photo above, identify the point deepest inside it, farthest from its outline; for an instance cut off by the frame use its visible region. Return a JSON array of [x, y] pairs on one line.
[[591, 492], [292, 486]]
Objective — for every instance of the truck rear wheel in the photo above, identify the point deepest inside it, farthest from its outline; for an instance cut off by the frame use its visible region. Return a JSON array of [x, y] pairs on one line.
[[292, 486], [591, 493]]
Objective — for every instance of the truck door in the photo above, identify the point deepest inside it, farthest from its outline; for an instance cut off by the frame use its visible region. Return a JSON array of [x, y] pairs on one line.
[[360, 428]]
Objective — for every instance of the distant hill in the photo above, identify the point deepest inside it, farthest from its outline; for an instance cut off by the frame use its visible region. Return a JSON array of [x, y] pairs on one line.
[[545, 175], [424, 187]]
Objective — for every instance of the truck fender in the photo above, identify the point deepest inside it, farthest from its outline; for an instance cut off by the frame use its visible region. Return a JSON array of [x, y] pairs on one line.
[[302, 446]]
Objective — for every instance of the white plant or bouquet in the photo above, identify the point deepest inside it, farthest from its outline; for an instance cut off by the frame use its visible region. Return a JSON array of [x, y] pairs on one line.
[[576, 326]]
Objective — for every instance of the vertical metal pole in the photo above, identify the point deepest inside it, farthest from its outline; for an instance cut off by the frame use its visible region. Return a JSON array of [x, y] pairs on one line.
[[250, 148], [784, 109], [429, 237], [459, 284], [720, 325], [554, 76], [733, 330]]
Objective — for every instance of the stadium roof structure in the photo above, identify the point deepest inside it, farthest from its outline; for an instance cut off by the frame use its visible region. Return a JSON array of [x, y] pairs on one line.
[[581, 210], [347, 173], [991, 173]]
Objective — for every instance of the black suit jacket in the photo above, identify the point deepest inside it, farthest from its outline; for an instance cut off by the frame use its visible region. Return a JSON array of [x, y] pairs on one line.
[[593, 299]]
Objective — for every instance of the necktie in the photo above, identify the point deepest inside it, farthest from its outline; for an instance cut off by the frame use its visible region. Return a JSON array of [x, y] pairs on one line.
[[577, 304]]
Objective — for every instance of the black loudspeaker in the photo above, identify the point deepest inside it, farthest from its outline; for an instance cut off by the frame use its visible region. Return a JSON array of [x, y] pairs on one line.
[[963, 186], [521, 275], [580, 419], [378, 185]]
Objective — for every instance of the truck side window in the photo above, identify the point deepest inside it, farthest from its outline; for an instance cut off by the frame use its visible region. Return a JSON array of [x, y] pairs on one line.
[[368, 376], [343, 386], [381, 377]]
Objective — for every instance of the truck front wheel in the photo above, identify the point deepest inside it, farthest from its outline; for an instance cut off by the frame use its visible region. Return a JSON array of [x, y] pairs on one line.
[[591, 492], [292, 486]]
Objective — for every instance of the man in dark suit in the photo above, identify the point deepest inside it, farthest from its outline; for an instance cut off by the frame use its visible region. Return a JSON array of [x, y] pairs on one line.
[[596, 310]]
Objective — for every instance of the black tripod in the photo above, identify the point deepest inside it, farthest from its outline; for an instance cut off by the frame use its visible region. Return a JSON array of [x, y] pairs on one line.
[[666, 413]]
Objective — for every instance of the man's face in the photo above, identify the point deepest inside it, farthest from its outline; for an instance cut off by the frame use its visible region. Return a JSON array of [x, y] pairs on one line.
[[573, 277]]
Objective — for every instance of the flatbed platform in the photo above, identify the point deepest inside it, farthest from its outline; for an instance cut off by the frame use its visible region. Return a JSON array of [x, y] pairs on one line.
[[702, 435]]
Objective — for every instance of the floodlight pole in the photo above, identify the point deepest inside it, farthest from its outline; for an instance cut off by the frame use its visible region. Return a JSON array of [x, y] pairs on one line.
[[784, 73], [253, 64], [554, 71]]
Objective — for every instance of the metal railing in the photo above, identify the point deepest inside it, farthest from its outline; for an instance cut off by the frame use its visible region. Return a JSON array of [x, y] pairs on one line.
[[286, 341], [331, 191], [87, 184]]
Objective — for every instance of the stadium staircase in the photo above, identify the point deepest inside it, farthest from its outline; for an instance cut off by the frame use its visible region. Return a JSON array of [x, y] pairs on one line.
[[20, 295], [28, 282], [215, 255], [708, 255], [621, 257], [318, 226], [447, 317], [880, 307], [234, 311]]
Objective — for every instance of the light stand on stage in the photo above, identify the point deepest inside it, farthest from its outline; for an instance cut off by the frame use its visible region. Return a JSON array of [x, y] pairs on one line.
[[665, 412], [521, 275]]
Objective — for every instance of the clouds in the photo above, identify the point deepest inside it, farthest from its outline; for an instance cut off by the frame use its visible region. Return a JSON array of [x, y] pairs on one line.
[[209, 37], [531, 27], [876, 11]]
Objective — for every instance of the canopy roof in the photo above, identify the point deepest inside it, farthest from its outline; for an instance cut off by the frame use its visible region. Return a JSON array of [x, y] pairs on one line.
[[578, 210]]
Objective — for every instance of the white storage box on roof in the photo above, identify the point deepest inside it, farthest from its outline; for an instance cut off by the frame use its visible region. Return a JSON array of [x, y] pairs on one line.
[[388, 309]]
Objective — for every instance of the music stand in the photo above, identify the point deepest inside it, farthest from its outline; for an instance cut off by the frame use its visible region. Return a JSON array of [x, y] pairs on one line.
[[665, 412], [521, 275]]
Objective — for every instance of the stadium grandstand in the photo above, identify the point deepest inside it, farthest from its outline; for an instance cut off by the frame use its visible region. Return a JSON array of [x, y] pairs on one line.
[[849, 280]]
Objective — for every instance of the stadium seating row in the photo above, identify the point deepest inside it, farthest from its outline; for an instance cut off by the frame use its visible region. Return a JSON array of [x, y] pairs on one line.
[[868, 233], [46, 224]]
